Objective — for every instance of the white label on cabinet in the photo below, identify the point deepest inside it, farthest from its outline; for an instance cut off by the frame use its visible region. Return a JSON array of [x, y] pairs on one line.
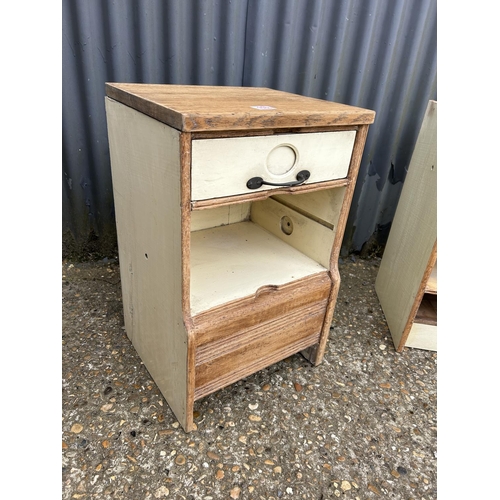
[[262, 107]]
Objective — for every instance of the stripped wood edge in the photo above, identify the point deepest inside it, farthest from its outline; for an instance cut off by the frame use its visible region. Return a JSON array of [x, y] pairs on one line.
[[262, 195], [193, 122], [205, 317], [185, 162], [145, 106], [316, 354], [352, 175], [251, 314], [431, 285], [418, 298], [277, 131]]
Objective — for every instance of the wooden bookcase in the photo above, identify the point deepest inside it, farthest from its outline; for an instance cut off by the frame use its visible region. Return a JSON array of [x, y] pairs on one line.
[[221, 274], [406, 283]]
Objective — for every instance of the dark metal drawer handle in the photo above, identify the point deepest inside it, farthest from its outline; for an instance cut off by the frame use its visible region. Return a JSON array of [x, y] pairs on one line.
[[257, 182]]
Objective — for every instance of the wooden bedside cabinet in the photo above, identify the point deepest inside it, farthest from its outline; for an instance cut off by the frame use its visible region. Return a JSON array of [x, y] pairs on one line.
[[231, 204]]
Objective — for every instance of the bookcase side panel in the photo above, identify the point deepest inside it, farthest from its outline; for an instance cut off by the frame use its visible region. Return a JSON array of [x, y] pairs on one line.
[[405, 263]]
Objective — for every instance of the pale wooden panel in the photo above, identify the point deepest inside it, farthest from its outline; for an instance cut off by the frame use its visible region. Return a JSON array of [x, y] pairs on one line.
[[308, 236], [219, 216], [234, 261], [209, 108], [422, 336], [145, 160], [222, 167], [322, 206], [432, 285], [413, 235]]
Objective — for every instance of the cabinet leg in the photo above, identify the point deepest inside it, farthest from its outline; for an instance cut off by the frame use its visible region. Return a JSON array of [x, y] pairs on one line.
[[315, 353], [187, 423], [311, 354]]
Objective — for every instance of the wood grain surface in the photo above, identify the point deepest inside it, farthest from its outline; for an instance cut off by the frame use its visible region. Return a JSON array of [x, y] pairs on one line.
[[267, 302], [205, 108], [253, 350]]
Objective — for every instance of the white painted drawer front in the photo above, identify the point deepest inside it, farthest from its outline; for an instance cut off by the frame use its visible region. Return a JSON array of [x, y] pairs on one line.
[[222, 167]]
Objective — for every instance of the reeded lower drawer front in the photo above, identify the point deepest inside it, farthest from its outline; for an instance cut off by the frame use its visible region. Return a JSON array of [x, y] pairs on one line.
[[222, 167], [250, 334]]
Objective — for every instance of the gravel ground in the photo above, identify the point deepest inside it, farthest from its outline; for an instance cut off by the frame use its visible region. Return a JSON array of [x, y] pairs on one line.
[[361, 425]]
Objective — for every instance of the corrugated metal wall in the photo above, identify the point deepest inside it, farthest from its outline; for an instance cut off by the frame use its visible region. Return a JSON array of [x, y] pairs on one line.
[[377, 54]]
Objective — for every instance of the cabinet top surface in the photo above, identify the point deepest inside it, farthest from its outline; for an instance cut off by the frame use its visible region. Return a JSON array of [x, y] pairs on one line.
[[197, 108]]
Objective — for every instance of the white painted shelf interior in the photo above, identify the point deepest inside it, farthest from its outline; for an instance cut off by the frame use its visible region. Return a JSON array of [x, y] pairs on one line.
[[233, 261]]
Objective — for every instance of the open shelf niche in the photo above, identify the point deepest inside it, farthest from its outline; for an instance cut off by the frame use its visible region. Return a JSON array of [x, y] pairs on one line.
[[238, 250]]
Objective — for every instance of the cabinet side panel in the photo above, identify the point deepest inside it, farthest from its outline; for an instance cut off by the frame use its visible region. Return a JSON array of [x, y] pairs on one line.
[[413, 234], [145, 157]]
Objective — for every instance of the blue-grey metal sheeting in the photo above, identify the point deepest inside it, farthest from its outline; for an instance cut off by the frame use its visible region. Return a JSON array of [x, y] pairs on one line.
[[377, 54]]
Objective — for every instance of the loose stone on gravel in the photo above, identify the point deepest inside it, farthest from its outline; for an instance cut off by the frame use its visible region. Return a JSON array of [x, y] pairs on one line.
[[235, 492], [345, 486], [76, 428]]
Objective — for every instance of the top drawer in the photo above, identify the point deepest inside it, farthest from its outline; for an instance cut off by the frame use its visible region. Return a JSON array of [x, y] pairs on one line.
[[222, 167]]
